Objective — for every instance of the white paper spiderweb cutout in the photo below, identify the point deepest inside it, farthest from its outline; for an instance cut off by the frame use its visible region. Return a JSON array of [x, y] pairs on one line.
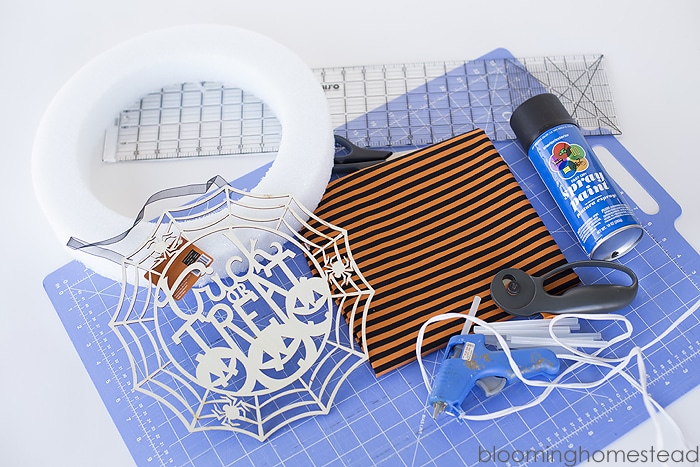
[[262, 339]]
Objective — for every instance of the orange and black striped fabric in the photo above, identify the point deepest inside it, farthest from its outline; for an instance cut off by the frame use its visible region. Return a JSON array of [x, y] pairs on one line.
[[429, 231]]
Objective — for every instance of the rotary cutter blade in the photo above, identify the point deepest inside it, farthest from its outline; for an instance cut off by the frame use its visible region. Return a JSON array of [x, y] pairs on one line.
[[520, 294]]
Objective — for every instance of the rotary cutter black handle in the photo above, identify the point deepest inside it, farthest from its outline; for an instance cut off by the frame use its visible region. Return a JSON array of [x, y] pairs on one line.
[[523, 295]]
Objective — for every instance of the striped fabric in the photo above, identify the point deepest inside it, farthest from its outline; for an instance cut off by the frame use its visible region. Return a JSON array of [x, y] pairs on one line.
[[429, 231]]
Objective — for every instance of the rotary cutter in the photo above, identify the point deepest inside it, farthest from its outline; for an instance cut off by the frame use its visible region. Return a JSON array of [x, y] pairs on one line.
[[520, 294]]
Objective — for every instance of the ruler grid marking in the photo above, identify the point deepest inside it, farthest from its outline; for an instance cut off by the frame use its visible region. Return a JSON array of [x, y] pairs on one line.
[[178, 147], [220, 146], [429, 97]]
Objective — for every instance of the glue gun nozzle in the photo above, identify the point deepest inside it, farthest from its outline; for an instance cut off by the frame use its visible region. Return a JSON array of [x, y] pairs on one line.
[[438, 408]]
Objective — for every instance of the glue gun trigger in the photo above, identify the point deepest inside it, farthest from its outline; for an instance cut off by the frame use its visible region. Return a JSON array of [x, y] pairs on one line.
[[491, 385]]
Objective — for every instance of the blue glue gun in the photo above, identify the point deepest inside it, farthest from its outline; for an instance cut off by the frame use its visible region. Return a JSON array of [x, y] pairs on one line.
[[468, 362]]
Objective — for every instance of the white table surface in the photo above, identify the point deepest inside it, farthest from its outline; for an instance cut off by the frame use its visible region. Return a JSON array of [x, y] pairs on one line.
[[51, 413]]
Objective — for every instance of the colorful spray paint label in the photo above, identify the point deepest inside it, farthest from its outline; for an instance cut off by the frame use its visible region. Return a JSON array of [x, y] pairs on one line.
[[601, 219]]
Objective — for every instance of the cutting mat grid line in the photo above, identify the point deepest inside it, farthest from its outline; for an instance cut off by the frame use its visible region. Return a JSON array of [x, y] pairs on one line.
[[385, 421]]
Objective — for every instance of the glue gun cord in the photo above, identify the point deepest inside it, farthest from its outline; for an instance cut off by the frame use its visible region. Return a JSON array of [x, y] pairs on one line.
[[580, 358]]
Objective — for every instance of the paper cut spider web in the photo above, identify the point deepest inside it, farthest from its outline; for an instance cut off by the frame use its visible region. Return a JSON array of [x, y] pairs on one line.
[[261, 340]]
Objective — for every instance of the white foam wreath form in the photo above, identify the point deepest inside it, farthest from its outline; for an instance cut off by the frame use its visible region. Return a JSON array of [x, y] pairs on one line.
[[64, 148]]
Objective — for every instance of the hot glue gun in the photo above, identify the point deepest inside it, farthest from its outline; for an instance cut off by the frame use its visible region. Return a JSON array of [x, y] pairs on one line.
[[468, 362]]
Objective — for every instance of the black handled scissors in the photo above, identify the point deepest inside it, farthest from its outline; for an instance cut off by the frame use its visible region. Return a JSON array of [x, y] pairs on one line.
[[351, 158]]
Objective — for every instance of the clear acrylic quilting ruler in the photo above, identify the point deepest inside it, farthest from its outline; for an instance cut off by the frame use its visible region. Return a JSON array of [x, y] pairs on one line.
[[397, 105]]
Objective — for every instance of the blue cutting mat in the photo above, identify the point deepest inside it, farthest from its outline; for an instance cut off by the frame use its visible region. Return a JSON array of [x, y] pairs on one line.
[[385, 420]]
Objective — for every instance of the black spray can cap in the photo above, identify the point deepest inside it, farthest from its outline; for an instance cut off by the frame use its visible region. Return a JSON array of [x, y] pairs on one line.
[[537, 115]]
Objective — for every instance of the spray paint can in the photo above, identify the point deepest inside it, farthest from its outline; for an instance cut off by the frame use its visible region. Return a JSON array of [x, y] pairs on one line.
[[585, 193]]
